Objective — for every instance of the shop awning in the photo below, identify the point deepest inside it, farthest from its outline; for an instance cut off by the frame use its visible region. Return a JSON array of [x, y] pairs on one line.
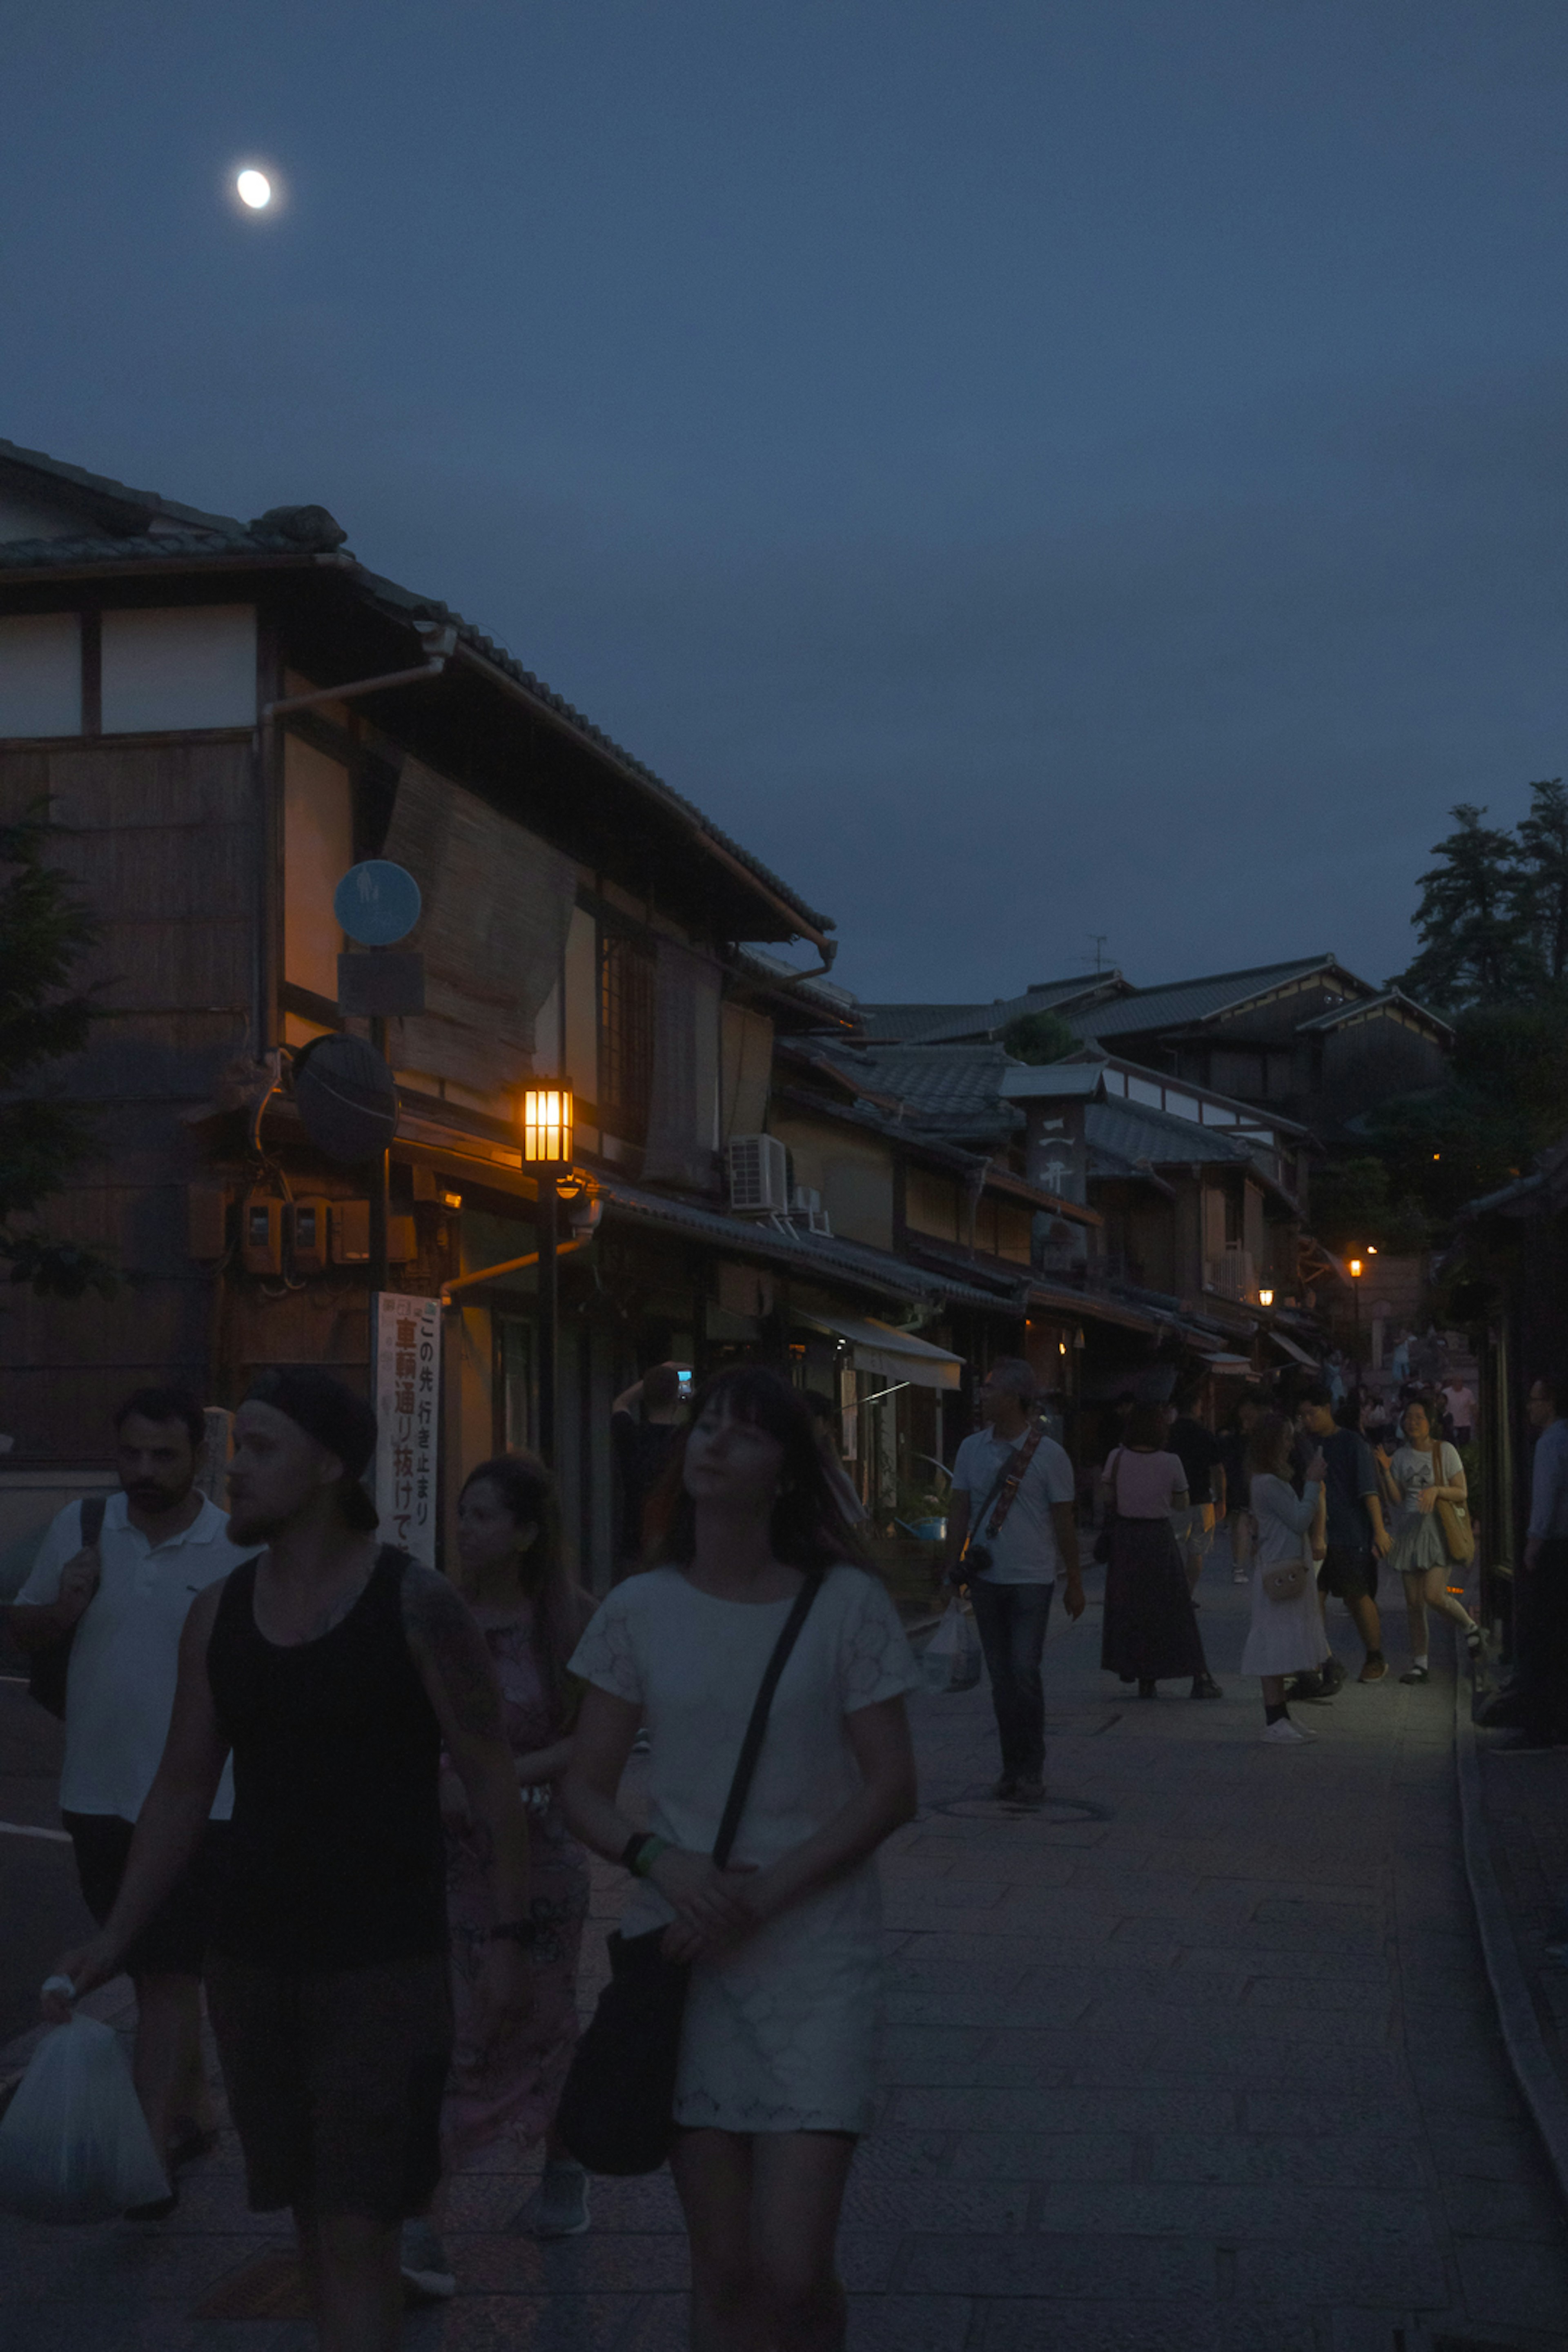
[[879, 1347], [1300, 1354]]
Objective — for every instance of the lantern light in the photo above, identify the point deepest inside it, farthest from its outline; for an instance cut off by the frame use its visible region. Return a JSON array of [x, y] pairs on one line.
[[547, 1127], [1355, 1267], [1266, 1298]]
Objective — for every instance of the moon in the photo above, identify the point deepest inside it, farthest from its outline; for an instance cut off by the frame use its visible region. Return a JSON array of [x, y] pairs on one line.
[[254, 189]]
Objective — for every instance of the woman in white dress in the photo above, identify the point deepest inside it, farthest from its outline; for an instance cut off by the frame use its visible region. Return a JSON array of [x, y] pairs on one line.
[[778, 2045], [1286, 1637], [1424, 1472]]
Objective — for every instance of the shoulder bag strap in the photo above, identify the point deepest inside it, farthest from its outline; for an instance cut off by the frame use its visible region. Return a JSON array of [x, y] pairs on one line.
[[751, 1745], [92, 1510], [1013, 1476]]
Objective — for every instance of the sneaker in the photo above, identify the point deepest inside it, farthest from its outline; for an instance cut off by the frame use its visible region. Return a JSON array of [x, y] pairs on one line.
[[1285, 1734], [424, 2263], [1374, 1671], [1007, 1786], [1030, 1790], [1416, 1675], [1332, 1676], [1308, 1689], [1206, 1686], [561, 2208]]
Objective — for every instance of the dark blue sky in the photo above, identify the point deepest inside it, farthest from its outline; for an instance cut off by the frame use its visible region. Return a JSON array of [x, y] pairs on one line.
[[1027, 470]]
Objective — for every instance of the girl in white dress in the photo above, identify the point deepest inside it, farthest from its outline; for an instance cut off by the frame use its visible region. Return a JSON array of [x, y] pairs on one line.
[[778, 2042], [1286, 1637], [1424, 1472]]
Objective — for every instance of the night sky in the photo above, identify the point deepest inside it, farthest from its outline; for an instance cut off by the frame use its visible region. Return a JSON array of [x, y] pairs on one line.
[[1028, 471]]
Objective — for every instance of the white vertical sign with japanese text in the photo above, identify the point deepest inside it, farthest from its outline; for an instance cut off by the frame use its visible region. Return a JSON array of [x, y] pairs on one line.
[[407, 1413]]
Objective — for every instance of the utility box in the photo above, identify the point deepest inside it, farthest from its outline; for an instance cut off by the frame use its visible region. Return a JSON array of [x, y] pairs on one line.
[[261, 1236], [350, 1233], [402, 1241], [309, 1244]]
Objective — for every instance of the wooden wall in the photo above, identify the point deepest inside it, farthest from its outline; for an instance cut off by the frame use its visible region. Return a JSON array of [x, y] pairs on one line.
[[162, 843]]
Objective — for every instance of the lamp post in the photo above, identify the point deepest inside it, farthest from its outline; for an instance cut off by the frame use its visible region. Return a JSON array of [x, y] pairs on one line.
[[1356, 1266], [547, 1150]]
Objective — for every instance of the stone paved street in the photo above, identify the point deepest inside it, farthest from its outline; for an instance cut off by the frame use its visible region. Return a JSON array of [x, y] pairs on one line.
[[1201, 2061]]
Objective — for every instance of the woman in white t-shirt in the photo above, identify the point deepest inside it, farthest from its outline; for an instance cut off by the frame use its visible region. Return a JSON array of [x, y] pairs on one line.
[[1424, 1472], [1150, 1629], [776, 2072]]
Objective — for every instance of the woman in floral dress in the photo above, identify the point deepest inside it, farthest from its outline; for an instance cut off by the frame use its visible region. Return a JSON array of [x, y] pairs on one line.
[[511, 1573]]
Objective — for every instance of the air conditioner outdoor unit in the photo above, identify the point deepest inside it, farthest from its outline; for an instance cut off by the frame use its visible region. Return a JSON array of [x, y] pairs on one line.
[[806, 1208], [759, 1175]]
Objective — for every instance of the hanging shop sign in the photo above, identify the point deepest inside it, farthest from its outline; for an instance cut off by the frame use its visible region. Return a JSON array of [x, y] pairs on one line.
[[407, 1412]]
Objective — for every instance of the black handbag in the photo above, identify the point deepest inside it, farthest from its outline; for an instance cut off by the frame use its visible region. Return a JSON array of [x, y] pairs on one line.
[[618, 2110], [47, 1668]]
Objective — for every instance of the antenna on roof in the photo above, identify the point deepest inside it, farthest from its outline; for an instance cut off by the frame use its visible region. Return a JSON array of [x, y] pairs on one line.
[[1100, 938]]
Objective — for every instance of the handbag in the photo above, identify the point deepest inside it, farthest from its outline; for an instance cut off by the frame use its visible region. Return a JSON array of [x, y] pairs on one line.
[[618, 2110], [1286, 1580], [1459, 1534], [47, 1668]]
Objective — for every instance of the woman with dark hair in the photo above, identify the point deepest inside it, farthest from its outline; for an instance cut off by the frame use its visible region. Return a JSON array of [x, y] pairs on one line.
[[776, 2072], [511, 1572], [1425, 1471], [1151, 1631]]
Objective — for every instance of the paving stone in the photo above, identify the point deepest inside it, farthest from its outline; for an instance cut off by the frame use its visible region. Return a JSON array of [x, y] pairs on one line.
[[1340, 2271], [1503, 2211], [1219, 2210], [1044, 2156], [1076, 2108], [1049, 2325], [533, 2322], [596, 2263], [1368, 2159], [1067, 2267], [916, 2205]]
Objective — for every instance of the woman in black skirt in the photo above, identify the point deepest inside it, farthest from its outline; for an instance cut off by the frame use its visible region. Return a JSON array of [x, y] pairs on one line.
[[1151, 1631]]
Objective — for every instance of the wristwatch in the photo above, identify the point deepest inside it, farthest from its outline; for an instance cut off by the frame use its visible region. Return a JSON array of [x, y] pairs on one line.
[[524, 1932]]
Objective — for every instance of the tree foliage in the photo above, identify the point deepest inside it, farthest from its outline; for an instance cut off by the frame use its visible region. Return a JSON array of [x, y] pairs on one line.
[[1038, 1037], [1474, 934], [44, 931]]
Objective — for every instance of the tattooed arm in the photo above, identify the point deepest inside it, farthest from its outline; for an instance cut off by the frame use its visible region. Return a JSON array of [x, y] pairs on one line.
[[460, 1681]]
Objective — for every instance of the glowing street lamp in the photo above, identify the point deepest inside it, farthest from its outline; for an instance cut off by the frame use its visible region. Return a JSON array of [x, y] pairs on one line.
[[1355, 1265], [547, 1150], [1266, 1298]]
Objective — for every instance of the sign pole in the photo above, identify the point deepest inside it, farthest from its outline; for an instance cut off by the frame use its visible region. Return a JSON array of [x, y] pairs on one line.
[[378, 1180]]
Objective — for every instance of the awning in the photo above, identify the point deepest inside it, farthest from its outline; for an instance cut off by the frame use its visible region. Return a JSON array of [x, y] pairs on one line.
[[1237, 1366], [879, 1347], [1290, 1348]]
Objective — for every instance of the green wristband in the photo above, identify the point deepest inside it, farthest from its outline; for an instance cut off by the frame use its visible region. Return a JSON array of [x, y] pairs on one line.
[[646, 1854]]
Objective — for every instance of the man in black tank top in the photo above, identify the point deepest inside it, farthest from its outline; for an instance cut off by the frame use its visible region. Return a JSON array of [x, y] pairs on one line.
[[335, 1671]]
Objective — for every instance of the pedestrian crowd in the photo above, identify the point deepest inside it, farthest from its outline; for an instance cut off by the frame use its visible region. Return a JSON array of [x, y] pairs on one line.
[[355, 1798]]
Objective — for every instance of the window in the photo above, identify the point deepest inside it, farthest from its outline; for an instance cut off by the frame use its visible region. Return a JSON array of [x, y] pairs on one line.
[[40, 674], [178, 666], [625, 1033]]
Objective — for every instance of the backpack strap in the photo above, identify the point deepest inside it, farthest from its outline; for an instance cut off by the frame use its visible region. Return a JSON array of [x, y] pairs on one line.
[[93, 1508]]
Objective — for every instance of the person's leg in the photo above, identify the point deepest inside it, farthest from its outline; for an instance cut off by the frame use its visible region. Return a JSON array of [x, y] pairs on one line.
[[350, 2262], [1367, 1623], [713, 2176], [167, 2048], [797, 2190], [1416, 1619], [994, 1620], [1436, 1593], [1031, 1610]]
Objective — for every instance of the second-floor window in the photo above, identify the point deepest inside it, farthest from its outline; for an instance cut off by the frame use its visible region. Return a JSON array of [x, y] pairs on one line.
[[625, 1033]]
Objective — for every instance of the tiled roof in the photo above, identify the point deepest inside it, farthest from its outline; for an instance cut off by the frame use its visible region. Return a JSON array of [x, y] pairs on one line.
[[1186, 1001], [1129, 1132], [1338, 1014], [947, 1086], [155, 527], [930, 1024]]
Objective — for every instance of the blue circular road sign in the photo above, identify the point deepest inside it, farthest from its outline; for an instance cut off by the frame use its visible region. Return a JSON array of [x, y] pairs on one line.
[[377, 902]]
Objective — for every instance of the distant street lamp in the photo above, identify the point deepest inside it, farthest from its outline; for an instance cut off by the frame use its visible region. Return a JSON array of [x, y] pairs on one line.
[[1266, 1298], [547, 1150], [1355, 1294]]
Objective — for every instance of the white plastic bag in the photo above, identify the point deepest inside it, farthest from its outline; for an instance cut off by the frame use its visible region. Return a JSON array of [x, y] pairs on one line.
[[950, 1659], [74, 2143]]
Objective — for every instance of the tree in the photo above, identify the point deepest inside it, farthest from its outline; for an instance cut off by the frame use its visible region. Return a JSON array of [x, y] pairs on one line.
[[1541, 885], [1476, 939], [1038, 1037], [43, 930], [1354, 1206]]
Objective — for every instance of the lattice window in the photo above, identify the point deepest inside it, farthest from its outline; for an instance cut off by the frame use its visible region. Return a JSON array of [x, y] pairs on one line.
[[626, 1034]]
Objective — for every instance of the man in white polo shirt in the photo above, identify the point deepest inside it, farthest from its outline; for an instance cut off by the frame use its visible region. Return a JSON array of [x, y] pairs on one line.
[[1012, 1568], [124, 1601]]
